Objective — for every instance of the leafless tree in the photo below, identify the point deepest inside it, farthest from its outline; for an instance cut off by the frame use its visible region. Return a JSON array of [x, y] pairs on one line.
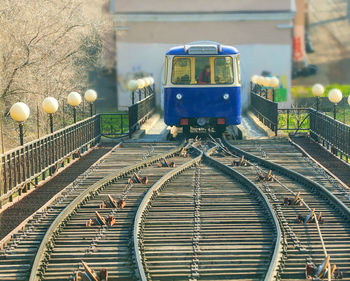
[[47, 48]]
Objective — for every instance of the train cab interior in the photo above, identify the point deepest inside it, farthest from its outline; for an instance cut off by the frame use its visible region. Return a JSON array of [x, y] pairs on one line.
[[204, 70]]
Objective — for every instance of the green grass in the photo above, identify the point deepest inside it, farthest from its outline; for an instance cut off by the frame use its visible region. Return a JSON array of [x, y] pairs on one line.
[[111, 124], [343, 114], [293, 122], [306, 91]]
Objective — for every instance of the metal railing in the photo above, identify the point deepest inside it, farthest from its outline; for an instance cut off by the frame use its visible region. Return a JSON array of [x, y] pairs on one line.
[[24, 166], [265, 110], [331, 133], [140, 112], [294, 119], [114, 125]]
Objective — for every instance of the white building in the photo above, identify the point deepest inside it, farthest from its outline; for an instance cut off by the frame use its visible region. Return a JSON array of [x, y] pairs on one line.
[[260, 30]]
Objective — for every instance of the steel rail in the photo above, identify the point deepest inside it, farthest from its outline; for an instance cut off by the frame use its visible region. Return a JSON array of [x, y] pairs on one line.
[[327, 171], [342, 208], [338, 204], [142, 209], [42, 254], [46, 206], [277, 253]]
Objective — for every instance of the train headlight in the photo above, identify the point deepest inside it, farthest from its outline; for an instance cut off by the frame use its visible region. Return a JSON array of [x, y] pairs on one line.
[[202, 121], [226, 96], [179, 96]]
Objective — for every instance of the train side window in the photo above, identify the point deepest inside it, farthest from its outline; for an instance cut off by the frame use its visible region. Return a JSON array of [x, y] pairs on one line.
[[223, 67], [165, 71], [181, 72], [238, 62]]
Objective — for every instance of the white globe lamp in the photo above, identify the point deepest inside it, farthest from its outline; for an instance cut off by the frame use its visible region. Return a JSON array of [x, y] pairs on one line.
[[317, 91], [50, 105], [266, 82], [274, 83], [255, 79], [133, 85], [19, 112], [141, 83], [152, 80], [335, 96]]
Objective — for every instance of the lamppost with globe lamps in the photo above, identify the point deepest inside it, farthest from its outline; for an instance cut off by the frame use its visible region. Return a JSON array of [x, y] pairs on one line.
[[132, 86], [141, 85], [74, 99], [50, 106], [260, 80], [317, 91], [274, 83], [335, 96], [254, 82], [20, 113], [90, 96], [147, 83], [151, 84], [266, 83]]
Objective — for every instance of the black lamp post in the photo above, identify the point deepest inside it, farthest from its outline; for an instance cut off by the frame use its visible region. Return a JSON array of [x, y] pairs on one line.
[[317, 91], [74, 99], [20, 113], [90, 96], [21, 125], [50, 106], [274, 83], [335, 96], [132, 86]]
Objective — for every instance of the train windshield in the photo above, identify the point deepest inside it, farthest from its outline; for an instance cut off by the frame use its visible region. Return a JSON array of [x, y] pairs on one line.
[[202, 70]]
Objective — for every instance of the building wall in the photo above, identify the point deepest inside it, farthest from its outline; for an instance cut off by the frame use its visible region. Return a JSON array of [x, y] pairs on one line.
[[161, 6], [261, 30]]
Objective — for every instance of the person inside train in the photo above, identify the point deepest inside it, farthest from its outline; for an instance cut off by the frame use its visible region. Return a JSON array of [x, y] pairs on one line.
[[204, 77]]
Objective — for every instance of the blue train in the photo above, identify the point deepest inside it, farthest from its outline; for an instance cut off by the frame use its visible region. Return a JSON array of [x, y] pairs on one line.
[[202, 86]]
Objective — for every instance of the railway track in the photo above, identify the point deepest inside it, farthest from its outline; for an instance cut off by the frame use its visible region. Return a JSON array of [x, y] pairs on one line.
[[281, 152], [308, 245], [79, 241], [18, 254], [206, 218], [210, 223]]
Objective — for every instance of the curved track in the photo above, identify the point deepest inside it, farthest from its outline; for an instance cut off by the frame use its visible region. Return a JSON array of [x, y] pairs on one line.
[[306, 243], [210, 223]]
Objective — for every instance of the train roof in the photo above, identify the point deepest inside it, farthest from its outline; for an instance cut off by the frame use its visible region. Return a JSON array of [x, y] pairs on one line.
[[203, 48]]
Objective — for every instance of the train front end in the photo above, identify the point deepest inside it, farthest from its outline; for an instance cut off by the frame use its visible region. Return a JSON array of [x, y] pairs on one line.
[[202, 86]]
